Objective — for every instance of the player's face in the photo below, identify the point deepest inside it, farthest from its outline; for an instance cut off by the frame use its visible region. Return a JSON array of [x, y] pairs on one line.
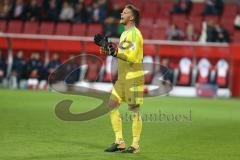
[[126, 16]]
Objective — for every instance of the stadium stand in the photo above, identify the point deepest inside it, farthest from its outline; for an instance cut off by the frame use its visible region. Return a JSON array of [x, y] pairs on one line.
[[79, 30], [63, 29], [153, 25], [47, 28], [15, 27], [31, 28]]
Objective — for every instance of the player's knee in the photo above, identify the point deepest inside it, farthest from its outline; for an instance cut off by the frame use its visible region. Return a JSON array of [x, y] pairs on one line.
[[113, 104], [134, 108]]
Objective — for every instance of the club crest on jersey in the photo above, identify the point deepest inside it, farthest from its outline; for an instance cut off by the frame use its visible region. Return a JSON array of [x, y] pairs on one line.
[[125, 44]]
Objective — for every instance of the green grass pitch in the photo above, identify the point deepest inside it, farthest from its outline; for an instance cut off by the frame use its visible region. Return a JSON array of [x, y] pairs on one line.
[[29, 129]]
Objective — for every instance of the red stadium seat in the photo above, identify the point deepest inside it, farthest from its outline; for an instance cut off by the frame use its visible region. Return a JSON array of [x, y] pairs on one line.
[[121, 3], [147, 14], [230, 10], [179, 17], [162, 23], [159, 33], [3, 26], [215, 19], [146, 32], [166, 8], [151, 6], [163, 15], [15, 27], [63, 29], [222, 69], [136, 3], [221, 81], [79, 29], [146, 22], [197, 9], [47, 28], [94, 29], [185, 71], [184, 79], [197, 22], [166, 1], [236, 37], [228, 16], [180, 21], [202, 79], [228, 24], [204, 69], [30, 28]]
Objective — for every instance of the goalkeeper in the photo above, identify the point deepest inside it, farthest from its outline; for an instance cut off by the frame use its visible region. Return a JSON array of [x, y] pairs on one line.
[[129, 86]]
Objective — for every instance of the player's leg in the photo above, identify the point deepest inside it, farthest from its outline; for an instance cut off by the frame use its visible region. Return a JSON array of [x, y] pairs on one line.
[[136, 129], [136, 125], [134, 97], [116, 120]]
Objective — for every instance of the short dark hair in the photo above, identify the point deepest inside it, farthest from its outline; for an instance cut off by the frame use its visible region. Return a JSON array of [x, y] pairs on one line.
[[135, 11]]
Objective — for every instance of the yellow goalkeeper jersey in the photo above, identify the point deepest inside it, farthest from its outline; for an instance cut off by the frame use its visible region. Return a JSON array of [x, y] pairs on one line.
[[131, 50]]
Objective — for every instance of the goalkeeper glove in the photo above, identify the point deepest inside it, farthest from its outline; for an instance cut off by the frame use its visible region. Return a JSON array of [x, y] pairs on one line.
[[106, 47], [101, 40], [112, 49]]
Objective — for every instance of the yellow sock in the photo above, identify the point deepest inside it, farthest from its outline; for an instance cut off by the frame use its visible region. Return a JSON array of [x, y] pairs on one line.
[[117, 125], [136, 129]]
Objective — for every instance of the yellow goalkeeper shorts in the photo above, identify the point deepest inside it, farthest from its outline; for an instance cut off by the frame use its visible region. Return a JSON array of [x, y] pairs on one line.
[[127, 91]]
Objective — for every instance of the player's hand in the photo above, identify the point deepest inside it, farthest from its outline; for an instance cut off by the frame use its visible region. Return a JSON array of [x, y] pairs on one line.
[[103, 51], [98, 39], [106, 47], [101, 40], [112, 50]]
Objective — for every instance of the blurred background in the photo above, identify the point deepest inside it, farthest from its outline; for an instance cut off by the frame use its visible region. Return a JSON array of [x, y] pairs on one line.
[[198, 40]]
